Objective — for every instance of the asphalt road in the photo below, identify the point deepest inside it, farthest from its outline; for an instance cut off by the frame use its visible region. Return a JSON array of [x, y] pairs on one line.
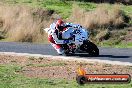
[[112, 54]]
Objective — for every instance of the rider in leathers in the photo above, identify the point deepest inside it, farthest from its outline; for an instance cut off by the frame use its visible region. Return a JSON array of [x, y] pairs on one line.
[[55, 35]]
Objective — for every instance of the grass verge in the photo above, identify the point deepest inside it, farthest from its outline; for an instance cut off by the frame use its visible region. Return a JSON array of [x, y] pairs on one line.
[[9, 78], [112, 44]]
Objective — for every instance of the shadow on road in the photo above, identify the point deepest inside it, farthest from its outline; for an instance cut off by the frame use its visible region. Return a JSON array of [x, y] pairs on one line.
[[109, 56], [113, 56]]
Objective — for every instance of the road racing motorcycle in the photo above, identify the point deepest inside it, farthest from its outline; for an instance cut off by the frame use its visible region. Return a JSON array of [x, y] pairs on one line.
[[79, 41]]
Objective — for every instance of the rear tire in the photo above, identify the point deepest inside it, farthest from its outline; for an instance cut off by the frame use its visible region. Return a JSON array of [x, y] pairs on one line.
[[66, 50]]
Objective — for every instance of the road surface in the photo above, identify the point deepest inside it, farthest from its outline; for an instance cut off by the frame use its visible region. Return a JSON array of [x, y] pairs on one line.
[[111, 54]]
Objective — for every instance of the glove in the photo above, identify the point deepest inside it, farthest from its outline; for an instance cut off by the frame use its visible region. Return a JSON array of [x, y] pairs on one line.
[[66, 41]]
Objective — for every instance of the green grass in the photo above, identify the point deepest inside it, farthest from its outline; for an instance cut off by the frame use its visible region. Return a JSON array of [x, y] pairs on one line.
[[64, 8], [47, 64], [124, 45], [110, 43], [9, 78]]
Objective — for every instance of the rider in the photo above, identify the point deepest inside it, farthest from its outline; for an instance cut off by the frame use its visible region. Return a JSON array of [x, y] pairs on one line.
[[55, 35]]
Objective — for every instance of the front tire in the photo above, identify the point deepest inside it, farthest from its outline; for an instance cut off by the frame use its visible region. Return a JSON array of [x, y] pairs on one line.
[[90, 48]]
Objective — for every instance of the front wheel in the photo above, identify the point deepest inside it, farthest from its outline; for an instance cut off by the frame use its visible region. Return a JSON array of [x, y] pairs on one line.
[[90, 48]]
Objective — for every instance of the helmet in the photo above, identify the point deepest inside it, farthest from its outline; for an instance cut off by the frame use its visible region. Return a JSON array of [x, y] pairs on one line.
[[59, 25]]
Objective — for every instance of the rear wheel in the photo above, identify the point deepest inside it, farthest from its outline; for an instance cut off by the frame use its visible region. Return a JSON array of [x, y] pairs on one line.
[[90, 48], [66, 50]]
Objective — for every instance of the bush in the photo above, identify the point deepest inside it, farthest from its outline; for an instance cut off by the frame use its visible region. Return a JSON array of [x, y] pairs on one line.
[[100, 17], [23, 23]]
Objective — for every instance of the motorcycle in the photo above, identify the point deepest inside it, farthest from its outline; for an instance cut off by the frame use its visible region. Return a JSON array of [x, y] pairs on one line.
[[79, 42]]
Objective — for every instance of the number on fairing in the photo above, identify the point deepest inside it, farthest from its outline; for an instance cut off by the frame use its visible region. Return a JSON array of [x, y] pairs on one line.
[[78, 32]]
